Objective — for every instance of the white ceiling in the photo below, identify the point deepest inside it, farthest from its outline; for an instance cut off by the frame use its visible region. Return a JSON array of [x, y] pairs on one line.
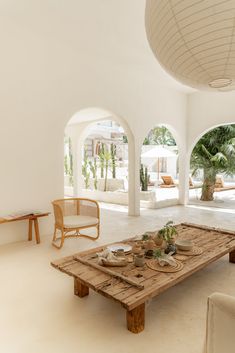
[[97, 31]]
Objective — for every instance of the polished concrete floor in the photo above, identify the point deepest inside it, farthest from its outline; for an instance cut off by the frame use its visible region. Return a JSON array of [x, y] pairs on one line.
[[40, 314]]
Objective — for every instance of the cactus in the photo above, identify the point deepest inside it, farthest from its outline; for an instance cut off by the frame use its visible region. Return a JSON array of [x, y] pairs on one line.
[[93, 169], [144, 178], [101, 158], [107, 157], [70, 163], [85, 170], [113, 159], [66, 169]]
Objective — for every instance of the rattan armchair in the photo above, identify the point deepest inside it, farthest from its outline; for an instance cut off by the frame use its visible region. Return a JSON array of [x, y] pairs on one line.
[[71, 216]]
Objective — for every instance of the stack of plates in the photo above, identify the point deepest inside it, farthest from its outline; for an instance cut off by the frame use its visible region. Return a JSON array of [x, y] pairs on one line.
[[115, 247]]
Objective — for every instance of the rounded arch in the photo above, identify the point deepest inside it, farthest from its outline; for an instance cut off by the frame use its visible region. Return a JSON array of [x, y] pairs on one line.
[[172, 130], [197, 138], [157, 162], [194, 143], [89, 116], [95, 114]]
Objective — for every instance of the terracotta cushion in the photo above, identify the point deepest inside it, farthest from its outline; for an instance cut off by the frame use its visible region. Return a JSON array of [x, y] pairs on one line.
[[167, 179]]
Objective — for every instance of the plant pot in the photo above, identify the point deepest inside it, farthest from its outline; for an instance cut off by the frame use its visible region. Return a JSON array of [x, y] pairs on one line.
[[136, 249], [158, 240], [171, 241], [170, 248], [149, 245], [139, 260], [149, 254]]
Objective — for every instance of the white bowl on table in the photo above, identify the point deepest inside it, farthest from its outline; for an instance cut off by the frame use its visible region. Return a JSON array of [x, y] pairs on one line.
[[185, 245]]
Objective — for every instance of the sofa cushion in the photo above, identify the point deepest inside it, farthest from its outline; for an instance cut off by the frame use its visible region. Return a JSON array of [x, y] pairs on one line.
[[79, 221]]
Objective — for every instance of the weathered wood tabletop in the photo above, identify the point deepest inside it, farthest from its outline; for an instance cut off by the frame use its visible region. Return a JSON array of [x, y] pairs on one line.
[[145, 283]]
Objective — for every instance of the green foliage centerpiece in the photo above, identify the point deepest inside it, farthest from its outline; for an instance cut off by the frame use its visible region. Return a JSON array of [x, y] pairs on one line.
[[168, 233]]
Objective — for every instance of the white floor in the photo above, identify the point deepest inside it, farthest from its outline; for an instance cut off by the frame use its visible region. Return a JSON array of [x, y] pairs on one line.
[[222, 199], [40, 314]]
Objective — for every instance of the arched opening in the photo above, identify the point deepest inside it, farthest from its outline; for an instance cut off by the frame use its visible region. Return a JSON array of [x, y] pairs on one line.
[[212, 168], [98, 146], [159, 169], [105, 163]]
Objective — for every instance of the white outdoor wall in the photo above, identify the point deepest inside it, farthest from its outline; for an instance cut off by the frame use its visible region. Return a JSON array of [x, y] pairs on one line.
[[56, 59]]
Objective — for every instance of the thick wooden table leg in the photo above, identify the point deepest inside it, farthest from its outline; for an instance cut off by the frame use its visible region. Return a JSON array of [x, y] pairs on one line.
[[135, 319], [232, 256], [80, 289], [30, 229], [36, 229]]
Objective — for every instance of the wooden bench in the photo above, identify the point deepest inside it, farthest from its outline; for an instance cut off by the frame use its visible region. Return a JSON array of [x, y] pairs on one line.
[[32, 218]]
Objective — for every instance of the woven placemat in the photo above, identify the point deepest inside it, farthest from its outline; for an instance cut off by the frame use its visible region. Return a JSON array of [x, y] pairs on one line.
[[154, 265], [180, 257], [194, 252]]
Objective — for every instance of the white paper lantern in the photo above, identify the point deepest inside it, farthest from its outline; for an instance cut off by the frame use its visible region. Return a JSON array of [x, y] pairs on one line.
[[194, 40]]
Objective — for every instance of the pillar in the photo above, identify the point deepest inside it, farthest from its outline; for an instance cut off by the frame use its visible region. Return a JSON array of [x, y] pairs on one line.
[[184, 169], [133, 180]]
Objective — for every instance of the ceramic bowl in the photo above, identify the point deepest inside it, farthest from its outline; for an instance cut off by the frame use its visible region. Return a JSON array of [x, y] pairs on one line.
[[185, 245]]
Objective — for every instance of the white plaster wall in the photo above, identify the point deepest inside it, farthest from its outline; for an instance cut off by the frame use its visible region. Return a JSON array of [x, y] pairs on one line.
[[56, 60], [207, 110]]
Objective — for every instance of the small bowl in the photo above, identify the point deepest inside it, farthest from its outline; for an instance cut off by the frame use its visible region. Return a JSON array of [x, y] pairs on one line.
[[184, 245]]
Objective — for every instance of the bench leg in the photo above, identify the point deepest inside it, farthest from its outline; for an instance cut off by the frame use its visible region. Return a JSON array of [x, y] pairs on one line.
[[232, 256], [135, 319], [36, 229], [30, 230], [80, 289]]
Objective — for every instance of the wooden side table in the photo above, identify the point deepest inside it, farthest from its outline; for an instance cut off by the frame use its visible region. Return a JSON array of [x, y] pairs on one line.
[[33, 219]]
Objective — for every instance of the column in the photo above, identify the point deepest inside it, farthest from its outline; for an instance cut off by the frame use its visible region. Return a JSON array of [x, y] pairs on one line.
[[133, 171]]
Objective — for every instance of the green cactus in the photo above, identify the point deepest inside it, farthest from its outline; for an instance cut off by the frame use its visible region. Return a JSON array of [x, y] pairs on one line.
[[66, 168], [107, 158], [102, 161], [70, 163], [93, 169], [85, 170], [113, 159], [144, 178]]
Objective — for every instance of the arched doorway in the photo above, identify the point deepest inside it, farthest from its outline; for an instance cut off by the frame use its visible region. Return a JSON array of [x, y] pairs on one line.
[[105, 163], [212, 168], [104, 136], [159, 169]]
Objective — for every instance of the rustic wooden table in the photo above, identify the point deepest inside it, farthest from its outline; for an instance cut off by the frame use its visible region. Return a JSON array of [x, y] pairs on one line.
[[33, 219], [137, 285]]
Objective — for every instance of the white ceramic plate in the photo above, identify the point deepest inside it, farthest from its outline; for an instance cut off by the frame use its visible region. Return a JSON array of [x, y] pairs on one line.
[[115, 247]]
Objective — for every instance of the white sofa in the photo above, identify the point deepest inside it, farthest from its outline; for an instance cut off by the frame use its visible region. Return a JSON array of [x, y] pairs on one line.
[[220, 335]]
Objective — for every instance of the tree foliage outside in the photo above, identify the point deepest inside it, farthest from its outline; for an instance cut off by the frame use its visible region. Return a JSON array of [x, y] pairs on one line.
[[214, 153], [159, 135]]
